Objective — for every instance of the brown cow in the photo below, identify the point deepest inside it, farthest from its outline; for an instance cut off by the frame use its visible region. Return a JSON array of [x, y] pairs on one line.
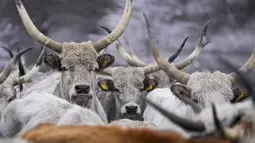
[[49, 133]]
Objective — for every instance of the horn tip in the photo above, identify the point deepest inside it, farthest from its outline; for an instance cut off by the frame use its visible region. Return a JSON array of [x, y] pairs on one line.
[[205, 28], [185, 40], [18, 3], [208, 21], [106, 29], [145, 17]]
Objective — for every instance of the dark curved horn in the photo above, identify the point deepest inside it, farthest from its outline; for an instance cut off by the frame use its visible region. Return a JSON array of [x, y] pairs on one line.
[[21, 70], [175, 54], [216, 120], [8, 51]]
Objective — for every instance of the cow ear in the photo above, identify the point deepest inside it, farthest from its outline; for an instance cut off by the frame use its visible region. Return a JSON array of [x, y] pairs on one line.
[[181, 90], [240, 94], [53, 61], [149, 84], [105, 61]]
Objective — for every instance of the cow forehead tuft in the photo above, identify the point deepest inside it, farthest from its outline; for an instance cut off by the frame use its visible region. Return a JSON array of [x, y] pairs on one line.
[[128, 75], [81, 54], [81, 50]]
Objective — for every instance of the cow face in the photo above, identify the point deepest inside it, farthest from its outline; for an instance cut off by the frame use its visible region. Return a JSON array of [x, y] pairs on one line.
[[127, 86], [78, 64]]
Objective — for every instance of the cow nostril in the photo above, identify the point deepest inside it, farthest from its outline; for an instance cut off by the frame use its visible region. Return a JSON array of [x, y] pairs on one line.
[[131, 109], [82, 88]]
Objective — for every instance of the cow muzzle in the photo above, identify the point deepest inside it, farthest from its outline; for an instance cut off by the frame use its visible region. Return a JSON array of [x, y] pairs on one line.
[[82, 94], [131, 111]]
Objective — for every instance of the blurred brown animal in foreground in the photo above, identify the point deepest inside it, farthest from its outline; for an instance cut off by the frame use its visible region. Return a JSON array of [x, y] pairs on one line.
[[49, 133]]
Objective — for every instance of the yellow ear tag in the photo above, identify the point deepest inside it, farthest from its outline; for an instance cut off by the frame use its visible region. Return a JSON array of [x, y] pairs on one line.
[[105, 63], [104, 85], [240, 96], [148, 88]]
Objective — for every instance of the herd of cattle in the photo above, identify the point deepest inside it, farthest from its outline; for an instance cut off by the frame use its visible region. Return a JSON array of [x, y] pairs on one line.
[[86, 100]]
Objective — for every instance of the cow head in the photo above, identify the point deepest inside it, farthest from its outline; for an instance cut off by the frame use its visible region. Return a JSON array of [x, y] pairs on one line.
[[127, 85], [78, 62]]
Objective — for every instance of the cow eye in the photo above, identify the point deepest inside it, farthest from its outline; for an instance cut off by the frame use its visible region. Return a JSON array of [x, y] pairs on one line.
[[64, 69], [149, 84], [107, 85]]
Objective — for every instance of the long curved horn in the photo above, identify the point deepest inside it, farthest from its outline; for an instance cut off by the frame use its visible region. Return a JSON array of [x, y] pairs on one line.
[[198, 49], [182, 122], [129, 57], [118, 31], [175, 54], [169, 69], [34, 32], [7, 70], [154, 66], [241, 77], [28, 77], [180, 65], [245, 68]]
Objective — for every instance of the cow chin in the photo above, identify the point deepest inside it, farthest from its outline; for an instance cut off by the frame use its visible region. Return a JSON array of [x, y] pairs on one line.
[[82, 99]]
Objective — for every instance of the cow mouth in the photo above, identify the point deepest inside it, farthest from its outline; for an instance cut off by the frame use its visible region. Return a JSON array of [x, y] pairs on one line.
[[82, 98], [135, 117]]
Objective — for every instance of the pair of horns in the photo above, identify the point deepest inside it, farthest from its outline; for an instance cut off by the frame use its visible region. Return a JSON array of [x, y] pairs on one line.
[[182, 64], [56, 46], [20, 64], [25, 78], [8, 68], [173, 70], [133, 60]]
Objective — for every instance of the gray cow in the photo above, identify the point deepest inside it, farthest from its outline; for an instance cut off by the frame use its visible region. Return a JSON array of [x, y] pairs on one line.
[[243, 130], [7, 84], [205, 88], [77, 62], [233, 121], [120, 92]]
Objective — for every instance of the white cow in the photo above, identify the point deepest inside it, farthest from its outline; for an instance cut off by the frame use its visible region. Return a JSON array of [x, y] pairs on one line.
[[77, 63], [41, 107], [165, 98]]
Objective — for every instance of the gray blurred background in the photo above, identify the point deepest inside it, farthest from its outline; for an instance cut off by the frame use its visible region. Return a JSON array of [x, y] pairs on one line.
[[231, 31]]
